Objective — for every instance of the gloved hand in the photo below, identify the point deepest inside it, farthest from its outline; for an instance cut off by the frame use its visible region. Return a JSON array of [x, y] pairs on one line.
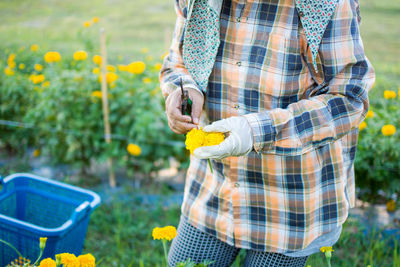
[[238, 143]]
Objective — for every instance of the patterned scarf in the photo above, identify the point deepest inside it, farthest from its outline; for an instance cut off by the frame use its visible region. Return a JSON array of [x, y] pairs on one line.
[[201, 38]]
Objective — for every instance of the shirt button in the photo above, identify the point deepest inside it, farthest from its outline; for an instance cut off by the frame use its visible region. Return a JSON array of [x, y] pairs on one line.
[[237, 184], [239, 63], [301, 13], [238, 19]]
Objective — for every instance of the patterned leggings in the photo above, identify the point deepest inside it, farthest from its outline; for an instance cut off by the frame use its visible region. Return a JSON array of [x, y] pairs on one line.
[[198, 246]]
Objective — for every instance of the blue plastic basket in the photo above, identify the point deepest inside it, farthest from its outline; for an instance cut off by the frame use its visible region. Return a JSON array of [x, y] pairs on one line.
[[32, 206]]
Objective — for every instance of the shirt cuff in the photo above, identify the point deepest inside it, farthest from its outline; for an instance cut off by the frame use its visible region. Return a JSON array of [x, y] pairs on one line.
[[264, 133]]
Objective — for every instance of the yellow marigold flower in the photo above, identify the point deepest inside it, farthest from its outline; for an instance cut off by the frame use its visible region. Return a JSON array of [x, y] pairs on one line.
[[21, 66], [35, 79], [110, 77], [370, 114], [198, 138], [95, 19], [391, 205], [86, 24], [123, 67], [38, 67], [111, 68], [52, 56], [149, 57], [144, 50], [388, 130], [362, 126], [326, 249], [12, 64], [134, 150], [96, 70], [49, 262], [167, 233], [46, 84], [11, 58], [97, 93], [80, 55], [164, 55], [137, 67], [34, 47], [87, 260], [43, 240], [146, 80], [69, 260], [158, 66], [389, 94], [8, 71], [97, 59]]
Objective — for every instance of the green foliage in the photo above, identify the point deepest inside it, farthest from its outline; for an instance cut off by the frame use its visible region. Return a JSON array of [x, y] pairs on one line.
[[68, 119], [378, 156]]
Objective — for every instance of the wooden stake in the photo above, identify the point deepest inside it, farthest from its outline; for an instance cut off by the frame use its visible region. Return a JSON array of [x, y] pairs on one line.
[[104, 93]]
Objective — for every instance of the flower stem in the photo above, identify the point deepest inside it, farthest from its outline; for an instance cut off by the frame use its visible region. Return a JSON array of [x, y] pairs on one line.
[[209, 164], [329, 262], [11, 246], [164, 242], [40, 255]]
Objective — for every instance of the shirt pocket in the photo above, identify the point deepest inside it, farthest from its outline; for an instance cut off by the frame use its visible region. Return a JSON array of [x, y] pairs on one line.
[[278, 58]]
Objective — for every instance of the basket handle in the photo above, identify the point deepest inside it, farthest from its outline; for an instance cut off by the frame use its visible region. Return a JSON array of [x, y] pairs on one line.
[[80, 211]]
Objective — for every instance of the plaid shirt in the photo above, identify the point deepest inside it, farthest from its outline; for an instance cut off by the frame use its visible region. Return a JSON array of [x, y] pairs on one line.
[[298, 182]]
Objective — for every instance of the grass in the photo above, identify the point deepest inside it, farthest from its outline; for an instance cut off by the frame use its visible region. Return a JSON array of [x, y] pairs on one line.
[[119, 234]]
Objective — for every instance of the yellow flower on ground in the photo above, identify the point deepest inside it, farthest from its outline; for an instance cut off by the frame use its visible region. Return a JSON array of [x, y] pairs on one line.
[[8, 71], [52, 56], [144, 50], [96, 70], [158, 66], [49, 262], [21, 66], [97, 93], [34, 47], [167, 233], [326, 249], [35, 79], [69, 260], [38, 67], [389, 94], [134, 150], [149, 57], [391, 205], [146, 80], [80, 55], [42, 240], [86, 24], [110, 77], [46, 84], [87, 260], [111, 68], [370, 114], [362, 126], [388, 130], [137, 67], [198, 138], [97, 59], [95, 19]]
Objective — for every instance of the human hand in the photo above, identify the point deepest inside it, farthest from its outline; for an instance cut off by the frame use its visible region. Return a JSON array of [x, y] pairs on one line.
[[238, 143], [177, 122]]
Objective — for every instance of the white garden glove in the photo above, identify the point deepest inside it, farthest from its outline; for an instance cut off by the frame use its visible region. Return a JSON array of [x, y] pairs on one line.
[[238, 143]]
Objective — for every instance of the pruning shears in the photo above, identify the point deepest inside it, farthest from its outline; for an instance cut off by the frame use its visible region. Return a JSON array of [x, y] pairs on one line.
[[186, 107]]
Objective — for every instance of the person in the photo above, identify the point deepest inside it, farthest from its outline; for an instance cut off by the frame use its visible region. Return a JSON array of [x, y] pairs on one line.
[[288, 82]]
